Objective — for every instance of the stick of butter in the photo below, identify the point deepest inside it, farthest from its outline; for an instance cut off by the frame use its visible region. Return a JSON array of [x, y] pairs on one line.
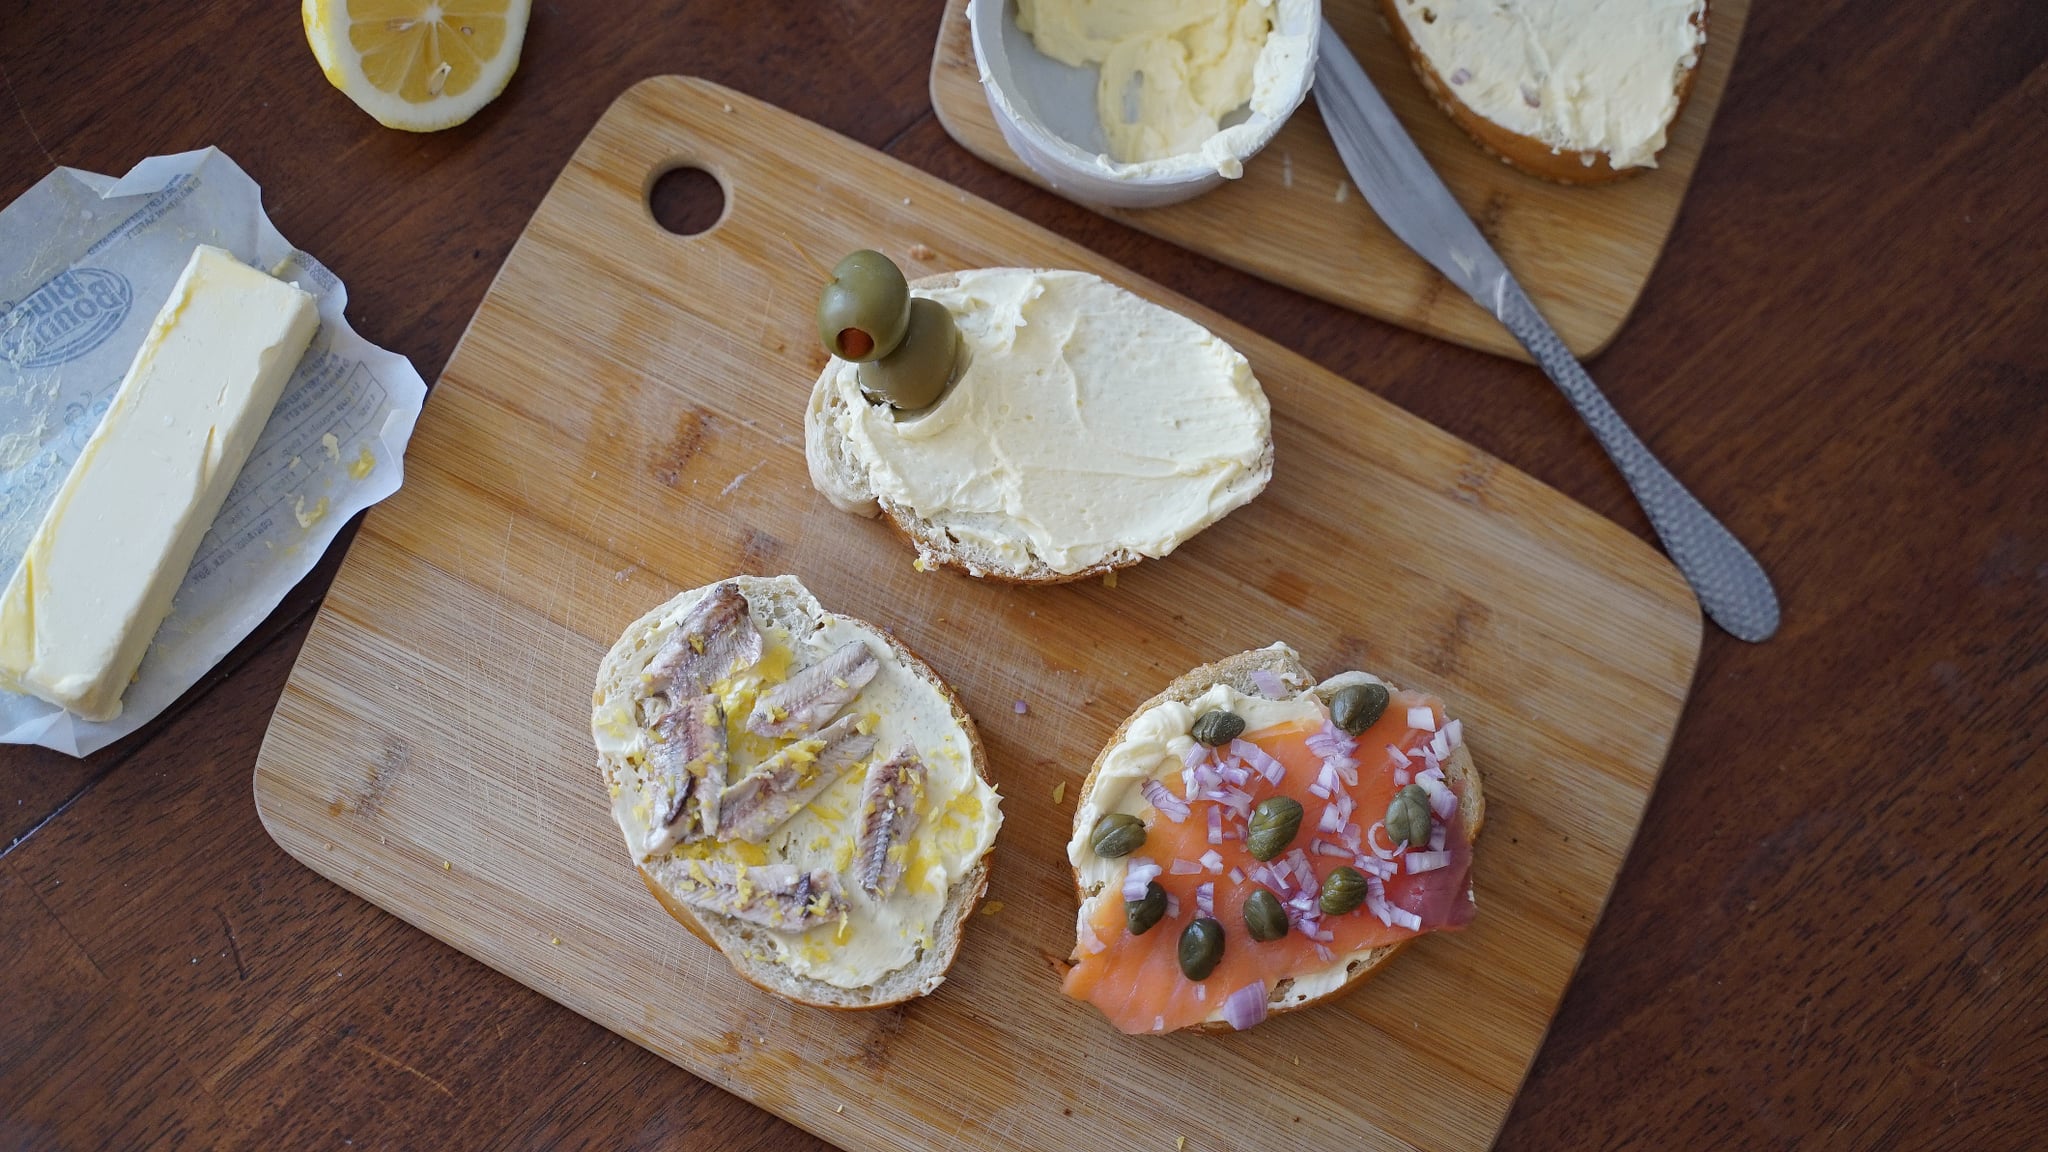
[[99, 574]]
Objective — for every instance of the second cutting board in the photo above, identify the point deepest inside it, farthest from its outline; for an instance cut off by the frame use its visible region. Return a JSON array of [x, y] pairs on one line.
[[623, 420]]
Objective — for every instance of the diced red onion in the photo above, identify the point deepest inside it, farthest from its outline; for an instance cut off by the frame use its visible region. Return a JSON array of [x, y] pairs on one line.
[[1372, 841], [1237, 875], [1236, 799], [1089, 940], [1325, 848], [1159, 1023], [1170, 806], [1020, 708], [1376, 900], [1201, 991], [1247, 1006], [1374, 866], [1455, 733], [1324, 935], [1257, 758], [1442, 800], [1331, 820], [1205, 899], [1185, 867], [1140, 873], [1433, 772], [1213, 861], [1215, 825], [1402, 918], [1352, 837], [1437, 836], [1236, 774], [1192, 758], [1268, 684], [1319, 791], [1172, 906], [1400, 777], [1324, 954], [1422, 718], [1427, 861], [1440, 745], [1400, 757]]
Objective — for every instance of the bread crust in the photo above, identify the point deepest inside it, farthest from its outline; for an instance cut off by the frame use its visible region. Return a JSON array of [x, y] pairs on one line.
[[1526, 153], [966, 891], [1236, 671], [931, 542]]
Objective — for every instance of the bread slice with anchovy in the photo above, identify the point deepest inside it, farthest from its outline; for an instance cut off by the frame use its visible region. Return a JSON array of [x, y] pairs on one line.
[[780, 607], [944, 542], [1242, 673]]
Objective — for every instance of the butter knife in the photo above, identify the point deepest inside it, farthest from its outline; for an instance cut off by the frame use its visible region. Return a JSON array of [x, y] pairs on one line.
[[1414, 204]]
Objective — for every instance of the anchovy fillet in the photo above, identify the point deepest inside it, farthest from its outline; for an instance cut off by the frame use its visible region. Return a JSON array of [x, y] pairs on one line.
[[778, 896], [888, 815], [812, 697], [788, 780], [714, 640], [688, 763]]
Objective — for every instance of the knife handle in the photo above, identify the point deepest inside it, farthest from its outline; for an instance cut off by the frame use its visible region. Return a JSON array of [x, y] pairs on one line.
[[1731, 585]]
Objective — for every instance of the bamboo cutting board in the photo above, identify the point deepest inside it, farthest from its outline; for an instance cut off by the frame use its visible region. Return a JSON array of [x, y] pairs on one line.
[[623, 420], [1583, 254]]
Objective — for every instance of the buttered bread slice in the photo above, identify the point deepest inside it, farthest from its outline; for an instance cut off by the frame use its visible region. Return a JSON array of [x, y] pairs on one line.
[[1577, 91], [798, 789], [1086, 429]]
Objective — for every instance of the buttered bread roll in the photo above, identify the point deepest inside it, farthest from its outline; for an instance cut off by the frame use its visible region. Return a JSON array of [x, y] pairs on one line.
[[1083, 429], [798, 789]]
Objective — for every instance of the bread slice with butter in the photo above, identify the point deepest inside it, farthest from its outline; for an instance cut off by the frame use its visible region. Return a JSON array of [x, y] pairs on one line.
[[797, 788], [1574, 91], [1088, 430], [1276, 695]]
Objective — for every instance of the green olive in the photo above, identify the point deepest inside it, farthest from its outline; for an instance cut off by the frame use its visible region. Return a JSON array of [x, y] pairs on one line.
[[1359, 707], [1343, 890], [1141, 915], [1201, 948], [1117, 834], [1408, 817], [1217, 727], [1272, 827], [916, 373], [863, 312], [1264, 918]]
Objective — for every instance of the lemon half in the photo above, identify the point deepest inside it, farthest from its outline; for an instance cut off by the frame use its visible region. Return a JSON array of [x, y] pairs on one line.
[[419, 65]]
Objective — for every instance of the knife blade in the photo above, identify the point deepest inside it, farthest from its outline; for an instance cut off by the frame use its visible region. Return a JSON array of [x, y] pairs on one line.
[[1413, 203]]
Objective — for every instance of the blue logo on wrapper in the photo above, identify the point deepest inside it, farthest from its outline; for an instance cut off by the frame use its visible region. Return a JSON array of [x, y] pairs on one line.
[[70, 315]]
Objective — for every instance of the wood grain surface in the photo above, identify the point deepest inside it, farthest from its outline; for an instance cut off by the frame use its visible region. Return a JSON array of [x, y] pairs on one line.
[[1583, 254], [1842, 352], [584, 457]]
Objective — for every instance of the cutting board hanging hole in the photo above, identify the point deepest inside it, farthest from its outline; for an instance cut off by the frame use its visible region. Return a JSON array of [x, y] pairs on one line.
[[686, 200]]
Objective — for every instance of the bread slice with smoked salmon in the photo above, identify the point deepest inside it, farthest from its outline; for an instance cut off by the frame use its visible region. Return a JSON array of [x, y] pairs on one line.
[[1205, 809]]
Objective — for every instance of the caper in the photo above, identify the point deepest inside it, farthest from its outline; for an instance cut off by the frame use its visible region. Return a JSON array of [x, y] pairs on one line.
[[1217, 727], [1117, 834], [1273, 825], [1408, 816], [1264, 918], [916, 374], [1140, 915], [863, 311], [1343, 890], [1358, 707], [1201, 948]]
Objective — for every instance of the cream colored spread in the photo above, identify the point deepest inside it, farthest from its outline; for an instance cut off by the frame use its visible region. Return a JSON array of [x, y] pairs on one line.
[[1170, 69], [959, 817], [1578, 75], [98, 576], [1089, 423], [1151, 749]]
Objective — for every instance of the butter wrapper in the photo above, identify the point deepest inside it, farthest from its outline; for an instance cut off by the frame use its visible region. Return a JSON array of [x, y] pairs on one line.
[[85, 262]]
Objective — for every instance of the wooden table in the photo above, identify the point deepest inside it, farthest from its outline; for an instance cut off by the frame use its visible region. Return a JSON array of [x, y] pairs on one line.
[[1831, 930]]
